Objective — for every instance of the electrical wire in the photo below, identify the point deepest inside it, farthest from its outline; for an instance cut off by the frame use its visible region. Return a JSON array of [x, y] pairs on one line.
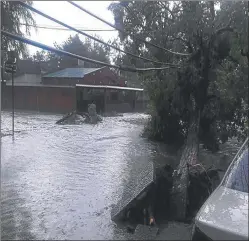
[[87, 35], [66, 29], [124, 32], [86, 30], [62, 52]]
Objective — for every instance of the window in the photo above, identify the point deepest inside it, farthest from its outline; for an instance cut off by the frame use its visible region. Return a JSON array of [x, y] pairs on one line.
[[237, 176]]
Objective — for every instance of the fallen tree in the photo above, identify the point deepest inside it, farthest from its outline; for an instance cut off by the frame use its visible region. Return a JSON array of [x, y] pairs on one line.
[[189, 157], [188, 101], [152, 206]]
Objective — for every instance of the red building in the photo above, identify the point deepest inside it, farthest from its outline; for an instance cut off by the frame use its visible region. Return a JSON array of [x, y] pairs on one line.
[[56, 91], [87, 76]]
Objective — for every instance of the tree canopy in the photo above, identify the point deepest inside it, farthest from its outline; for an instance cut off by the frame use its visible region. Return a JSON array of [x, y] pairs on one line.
[[75, 45], [210, 42], [12, 15]]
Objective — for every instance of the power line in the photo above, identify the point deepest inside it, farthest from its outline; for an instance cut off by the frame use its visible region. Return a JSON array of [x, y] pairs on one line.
[[62, 52], [86, 30], [122, 31], [66, 29], [87, 35]]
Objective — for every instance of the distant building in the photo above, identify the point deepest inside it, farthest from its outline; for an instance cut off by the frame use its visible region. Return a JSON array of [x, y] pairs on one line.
[[28, 72], [37, 89], [80, 75]]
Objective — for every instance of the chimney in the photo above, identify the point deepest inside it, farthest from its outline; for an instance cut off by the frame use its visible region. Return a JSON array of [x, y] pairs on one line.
[[80, 63]]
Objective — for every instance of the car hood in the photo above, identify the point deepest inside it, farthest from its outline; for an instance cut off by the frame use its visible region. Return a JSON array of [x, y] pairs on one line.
[[224, 215]]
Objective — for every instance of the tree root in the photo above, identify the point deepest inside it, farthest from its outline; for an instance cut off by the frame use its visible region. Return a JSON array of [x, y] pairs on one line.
[[156, 205]]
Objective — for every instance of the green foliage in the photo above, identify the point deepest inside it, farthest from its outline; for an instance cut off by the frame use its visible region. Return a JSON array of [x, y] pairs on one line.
[[215, 73], [75, 45], [40, 56], [233, 73], [12, 14]]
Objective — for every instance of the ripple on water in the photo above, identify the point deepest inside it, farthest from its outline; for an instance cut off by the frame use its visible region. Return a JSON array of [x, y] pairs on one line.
[[67, 177], [60, 182]]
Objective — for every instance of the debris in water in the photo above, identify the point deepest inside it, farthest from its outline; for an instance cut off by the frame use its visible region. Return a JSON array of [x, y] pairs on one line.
[[76, 118]]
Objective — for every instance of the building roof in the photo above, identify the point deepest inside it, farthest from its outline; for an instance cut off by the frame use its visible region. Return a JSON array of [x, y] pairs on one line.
[[71, 73], [108, 87]]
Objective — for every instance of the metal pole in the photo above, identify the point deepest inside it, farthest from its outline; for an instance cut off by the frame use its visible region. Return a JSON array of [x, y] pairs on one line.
[[13, 104]]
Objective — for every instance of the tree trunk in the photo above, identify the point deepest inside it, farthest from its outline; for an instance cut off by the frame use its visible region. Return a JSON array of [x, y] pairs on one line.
[[179, 194]]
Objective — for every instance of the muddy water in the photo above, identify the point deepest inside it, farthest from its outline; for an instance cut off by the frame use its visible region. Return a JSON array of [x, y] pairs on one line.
[[60, 182]]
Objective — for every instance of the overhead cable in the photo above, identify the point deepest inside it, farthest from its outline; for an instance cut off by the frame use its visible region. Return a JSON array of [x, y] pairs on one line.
[[62, 52], [124, 32], [66, 29], [89, 36], [79, 28]]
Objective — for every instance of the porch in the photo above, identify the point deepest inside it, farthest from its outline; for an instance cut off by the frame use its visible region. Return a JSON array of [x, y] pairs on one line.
[[109, 98]]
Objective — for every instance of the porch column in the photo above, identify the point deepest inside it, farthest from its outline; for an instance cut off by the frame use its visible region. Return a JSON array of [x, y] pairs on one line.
[[105, 96], [134, 100]]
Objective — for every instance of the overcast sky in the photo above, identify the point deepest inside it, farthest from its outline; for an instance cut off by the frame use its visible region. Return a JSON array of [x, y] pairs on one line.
[[71, 15]]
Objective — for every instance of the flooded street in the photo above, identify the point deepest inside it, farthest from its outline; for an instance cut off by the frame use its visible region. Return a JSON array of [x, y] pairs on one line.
[[60, 182]]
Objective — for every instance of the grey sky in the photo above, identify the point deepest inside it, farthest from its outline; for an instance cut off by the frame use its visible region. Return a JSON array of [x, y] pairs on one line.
[[69, 14]]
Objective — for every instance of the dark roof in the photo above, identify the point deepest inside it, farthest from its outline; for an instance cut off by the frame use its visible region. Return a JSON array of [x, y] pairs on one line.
[[28, 67], [71, 73]]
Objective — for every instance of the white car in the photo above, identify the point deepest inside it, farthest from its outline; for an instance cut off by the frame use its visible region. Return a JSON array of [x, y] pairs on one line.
[[224, 216]]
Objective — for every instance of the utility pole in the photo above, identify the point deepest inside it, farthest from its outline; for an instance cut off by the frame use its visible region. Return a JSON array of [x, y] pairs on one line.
[[13, 103], [10, 67]]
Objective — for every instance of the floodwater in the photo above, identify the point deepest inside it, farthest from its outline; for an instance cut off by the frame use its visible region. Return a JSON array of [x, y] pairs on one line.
[[61, 182]]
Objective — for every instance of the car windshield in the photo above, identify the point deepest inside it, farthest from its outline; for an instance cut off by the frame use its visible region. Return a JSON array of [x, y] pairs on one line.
[[237, 176]]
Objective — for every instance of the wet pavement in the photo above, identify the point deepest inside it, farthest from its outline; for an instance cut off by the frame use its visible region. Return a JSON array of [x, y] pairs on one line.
[[61, 181]]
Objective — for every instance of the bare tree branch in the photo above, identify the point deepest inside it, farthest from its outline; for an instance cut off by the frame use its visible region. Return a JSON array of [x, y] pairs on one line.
[[186, 43], [225, 29]]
